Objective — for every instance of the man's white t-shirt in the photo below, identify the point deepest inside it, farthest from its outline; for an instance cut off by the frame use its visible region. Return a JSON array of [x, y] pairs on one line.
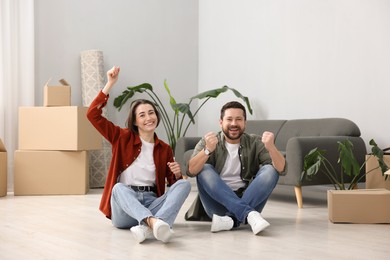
[[231, 170]]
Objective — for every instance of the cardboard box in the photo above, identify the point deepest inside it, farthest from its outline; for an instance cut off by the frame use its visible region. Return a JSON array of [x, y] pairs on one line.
[[57, 95], [374, 179], [366, 206], [50, 172], [57, 128], [3, 170]]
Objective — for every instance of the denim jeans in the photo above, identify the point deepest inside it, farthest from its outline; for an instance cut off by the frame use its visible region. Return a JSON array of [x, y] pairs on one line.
[[129, 207], [218, 198]]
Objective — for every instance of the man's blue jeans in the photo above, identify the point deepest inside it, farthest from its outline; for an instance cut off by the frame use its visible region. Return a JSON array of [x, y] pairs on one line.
[[218, 198], [129, 207]]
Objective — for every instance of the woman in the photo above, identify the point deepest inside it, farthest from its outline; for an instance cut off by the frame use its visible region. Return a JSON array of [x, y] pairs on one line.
[[134, 194]]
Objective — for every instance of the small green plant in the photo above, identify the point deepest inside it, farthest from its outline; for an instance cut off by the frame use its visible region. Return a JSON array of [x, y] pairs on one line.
[[315, 161], [177, 126]]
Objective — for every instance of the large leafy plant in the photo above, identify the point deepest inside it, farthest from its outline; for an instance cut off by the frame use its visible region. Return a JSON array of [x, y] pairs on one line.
[[315, 161], [178, 125]]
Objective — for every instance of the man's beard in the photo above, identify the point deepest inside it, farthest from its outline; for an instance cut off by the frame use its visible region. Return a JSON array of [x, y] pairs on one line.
[[236, 137]]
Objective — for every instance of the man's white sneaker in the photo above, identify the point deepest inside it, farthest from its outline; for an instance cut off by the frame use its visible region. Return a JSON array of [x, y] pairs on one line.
[[257, 222], [221, 223], [141, 232], [162, 231]]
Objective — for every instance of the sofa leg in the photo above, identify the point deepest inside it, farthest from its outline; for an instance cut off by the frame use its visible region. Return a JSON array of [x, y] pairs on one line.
[[298, 196]]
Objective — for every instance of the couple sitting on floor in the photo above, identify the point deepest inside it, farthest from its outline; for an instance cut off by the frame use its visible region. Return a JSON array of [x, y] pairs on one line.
[[235, 172]]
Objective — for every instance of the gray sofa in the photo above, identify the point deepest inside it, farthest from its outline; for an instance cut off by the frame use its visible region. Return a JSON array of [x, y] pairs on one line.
[[295, 138]]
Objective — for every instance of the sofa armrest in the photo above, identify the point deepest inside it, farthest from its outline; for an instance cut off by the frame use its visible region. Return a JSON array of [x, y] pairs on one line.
[[183, 145], [298, 147]]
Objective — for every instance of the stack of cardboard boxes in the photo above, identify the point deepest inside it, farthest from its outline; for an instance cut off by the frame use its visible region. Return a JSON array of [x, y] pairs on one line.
[[54, 139]]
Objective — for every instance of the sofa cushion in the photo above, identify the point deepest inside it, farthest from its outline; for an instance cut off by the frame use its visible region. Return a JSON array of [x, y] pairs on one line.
[[260, 126], [315, 127]]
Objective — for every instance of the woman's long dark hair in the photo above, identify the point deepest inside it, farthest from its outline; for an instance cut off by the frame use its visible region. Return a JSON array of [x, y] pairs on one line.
[[130, 123]]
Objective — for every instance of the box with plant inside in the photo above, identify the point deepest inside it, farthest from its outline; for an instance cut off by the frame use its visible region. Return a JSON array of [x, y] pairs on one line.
[[344, 204], [315, 162]]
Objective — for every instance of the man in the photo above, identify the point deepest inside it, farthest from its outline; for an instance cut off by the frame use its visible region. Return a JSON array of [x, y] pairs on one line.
[[236, 172]]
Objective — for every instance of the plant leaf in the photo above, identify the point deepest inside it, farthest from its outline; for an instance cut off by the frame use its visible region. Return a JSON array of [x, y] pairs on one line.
[[120, 100], [129, 93], [172, 100], [312, 163], [378, 153], [246, 100], [213, 93], [216, 92], [185, 109], [347, 159]]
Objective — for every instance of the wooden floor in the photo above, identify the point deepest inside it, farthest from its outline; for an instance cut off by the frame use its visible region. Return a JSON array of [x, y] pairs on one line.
[[71, 227]]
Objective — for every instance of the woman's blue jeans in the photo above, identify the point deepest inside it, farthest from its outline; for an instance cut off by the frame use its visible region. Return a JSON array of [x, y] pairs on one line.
[[218, 198], [129, 207]]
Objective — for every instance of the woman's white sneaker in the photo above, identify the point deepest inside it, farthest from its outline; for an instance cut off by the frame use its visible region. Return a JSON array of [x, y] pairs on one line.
[[141, 232], [162, 231]]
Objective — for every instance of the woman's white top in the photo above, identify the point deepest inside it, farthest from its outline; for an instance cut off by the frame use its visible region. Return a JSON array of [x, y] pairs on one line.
[[142, 172]]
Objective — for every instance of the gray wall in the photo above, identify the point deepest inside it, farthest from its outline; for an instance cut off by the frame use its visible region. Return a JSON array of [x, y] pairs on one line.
[[294, 59], [151, 40], [299, 59]]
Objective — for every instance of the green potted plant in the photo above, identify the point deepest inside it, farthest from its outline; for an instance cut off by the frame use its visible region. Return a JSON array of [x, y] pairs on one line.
[[315, 162], [178, 125]]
